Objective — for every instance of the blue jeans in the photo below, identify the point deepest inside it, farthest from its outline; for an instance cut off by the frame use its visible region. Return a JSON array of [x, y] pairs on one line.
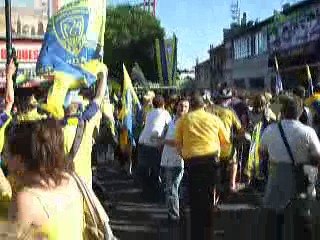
[[173, 177]]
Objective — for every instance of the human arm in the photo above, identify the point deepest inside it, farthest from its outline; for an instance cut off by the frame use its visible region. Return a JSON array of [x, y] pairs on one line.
[[95, 105], [101, 87], [314, 148], [223, 134], [236, 123], [264, 143], [9, 95], [169, 142], [179, 135]]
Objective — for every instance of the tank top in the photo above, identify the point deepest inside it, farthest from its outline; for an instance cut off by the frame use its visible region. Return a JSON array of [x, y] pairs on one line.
[[65, 215]]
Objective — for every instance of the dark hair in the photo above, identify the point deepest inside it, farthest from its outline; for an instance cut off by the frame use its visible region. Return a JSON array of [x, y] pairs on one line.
[[197, 102], [176, 104], [158, 101], [23, 104], [291, 107], [41, 146], [299, 91], [259, 101]]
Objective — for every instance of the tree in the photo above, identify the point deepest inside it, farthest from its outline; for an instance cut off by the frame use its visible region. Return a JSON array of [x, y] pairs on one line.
[[129, 38]]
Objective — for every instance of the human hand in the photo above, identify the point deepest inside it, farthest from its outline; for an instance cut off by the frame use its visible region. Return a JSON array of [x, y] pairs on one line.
[[11, 68]]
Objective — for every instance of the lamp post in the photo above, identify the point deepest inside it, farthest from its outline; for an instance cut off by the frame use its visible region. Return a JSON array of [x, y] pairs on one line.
[[8, 30]]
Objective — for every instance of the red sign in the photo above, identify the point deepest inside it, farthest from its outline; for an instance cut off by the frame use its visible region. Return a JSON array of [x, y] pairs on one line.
[[25, 55], [26, 52]]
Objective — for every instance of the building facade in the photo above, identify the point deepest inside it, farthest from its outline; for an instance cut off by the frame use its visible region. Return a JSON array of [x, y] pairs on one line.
[[29, 23], [247, 56], [203, 79]]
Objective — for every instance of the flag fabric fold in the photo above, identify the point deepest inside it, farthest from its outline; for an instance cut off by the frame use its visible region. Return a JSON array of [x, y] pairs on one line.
[[279, 85], [130, 106], [72, 49], [310, 82]]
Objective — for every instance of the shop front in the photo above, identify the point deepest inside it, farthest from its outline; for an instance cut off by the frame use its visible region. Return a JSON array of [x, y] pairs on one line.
[[294, 40], [27, 52]]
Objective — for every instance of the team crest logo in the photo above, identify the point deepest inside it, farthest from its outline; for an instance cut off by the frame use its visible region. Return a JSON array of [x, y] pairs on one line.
[[71, 29]]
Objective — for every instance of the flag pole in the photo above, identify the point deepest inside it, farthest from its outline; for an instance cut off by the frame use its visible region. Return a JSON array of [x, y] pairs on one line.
[[8, 30]]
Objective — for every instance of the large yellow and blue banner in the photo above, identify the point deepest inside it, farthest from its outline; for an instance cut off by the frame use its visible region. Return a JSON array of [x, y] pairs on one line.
[[166, 57], [72, 49]]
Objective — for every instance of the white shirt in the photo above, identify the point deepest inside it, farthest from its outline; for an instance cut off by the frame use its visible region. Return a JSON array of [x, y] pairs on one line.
[[155, 124], [302, 140], [170, 156]]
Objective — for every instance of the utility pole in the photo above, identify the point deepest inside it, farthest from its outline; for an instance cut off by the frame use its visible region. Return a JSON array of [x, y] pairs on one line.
[[150, 6], [235, 11], [49, 9]]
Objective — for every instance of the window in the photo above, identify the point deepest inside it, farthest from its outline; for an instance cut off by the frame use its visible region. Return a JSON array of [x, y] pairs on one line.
[[242, 47], [256, 83], [261, 43], [239, 83], [33, 31]]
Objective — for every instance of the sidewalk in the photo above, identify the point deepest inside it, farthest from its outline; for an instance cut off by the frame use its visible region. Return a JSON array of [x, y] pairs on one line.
[[132, 218]]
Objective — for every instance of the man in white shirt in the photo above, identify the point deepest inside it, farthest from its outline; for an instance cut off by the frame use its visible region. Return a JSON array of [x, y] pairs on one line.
[[305, 147], [172, 164], [149, 149]]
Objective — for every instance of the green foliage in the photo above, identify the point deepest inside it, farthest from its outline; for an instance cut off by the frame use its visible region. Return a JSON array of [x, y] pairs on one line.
[[129, 38]]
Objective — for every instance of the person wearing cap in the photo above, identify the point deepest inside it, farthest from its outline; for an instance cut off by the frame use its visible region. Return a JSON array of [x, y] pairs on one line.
[[234, 128], [200, 136], [91, 115]]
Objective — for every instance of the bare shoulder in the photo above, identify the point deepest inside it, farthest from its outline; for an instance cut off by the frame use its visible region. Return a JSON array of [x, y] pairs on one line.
[[24, 207]]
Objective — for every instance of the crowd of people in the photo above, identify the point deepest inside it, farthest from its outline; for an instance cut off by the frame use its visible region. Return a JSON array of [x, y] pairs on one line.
[[219, 145], [196, 149], [46, 175]]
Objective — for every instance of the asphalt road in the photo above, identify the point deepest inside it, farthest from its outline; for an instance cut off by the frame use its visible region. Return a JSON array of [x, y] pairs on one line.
[[132, 218]]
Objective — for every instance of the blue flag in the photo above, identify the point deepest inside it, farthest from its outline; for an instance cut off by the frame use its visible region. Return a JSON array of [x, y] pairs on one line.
[[73, 48]]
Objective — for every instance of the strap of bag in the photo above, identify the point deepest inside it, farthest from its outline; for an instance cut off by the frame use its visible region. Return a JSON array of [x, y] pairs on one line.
[[77, 140], [88, 199], [285, 141]]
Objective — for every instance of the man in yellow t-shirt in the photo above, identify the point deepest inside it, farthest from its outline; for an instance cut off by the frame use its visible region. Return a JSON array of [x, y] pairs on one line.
[[233, 127], [200, 136]]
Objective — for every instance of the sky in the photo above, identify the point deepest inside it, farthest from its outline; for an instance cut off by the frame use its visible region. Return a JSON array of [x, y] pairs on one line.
[[19, 3], [198, 23]]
